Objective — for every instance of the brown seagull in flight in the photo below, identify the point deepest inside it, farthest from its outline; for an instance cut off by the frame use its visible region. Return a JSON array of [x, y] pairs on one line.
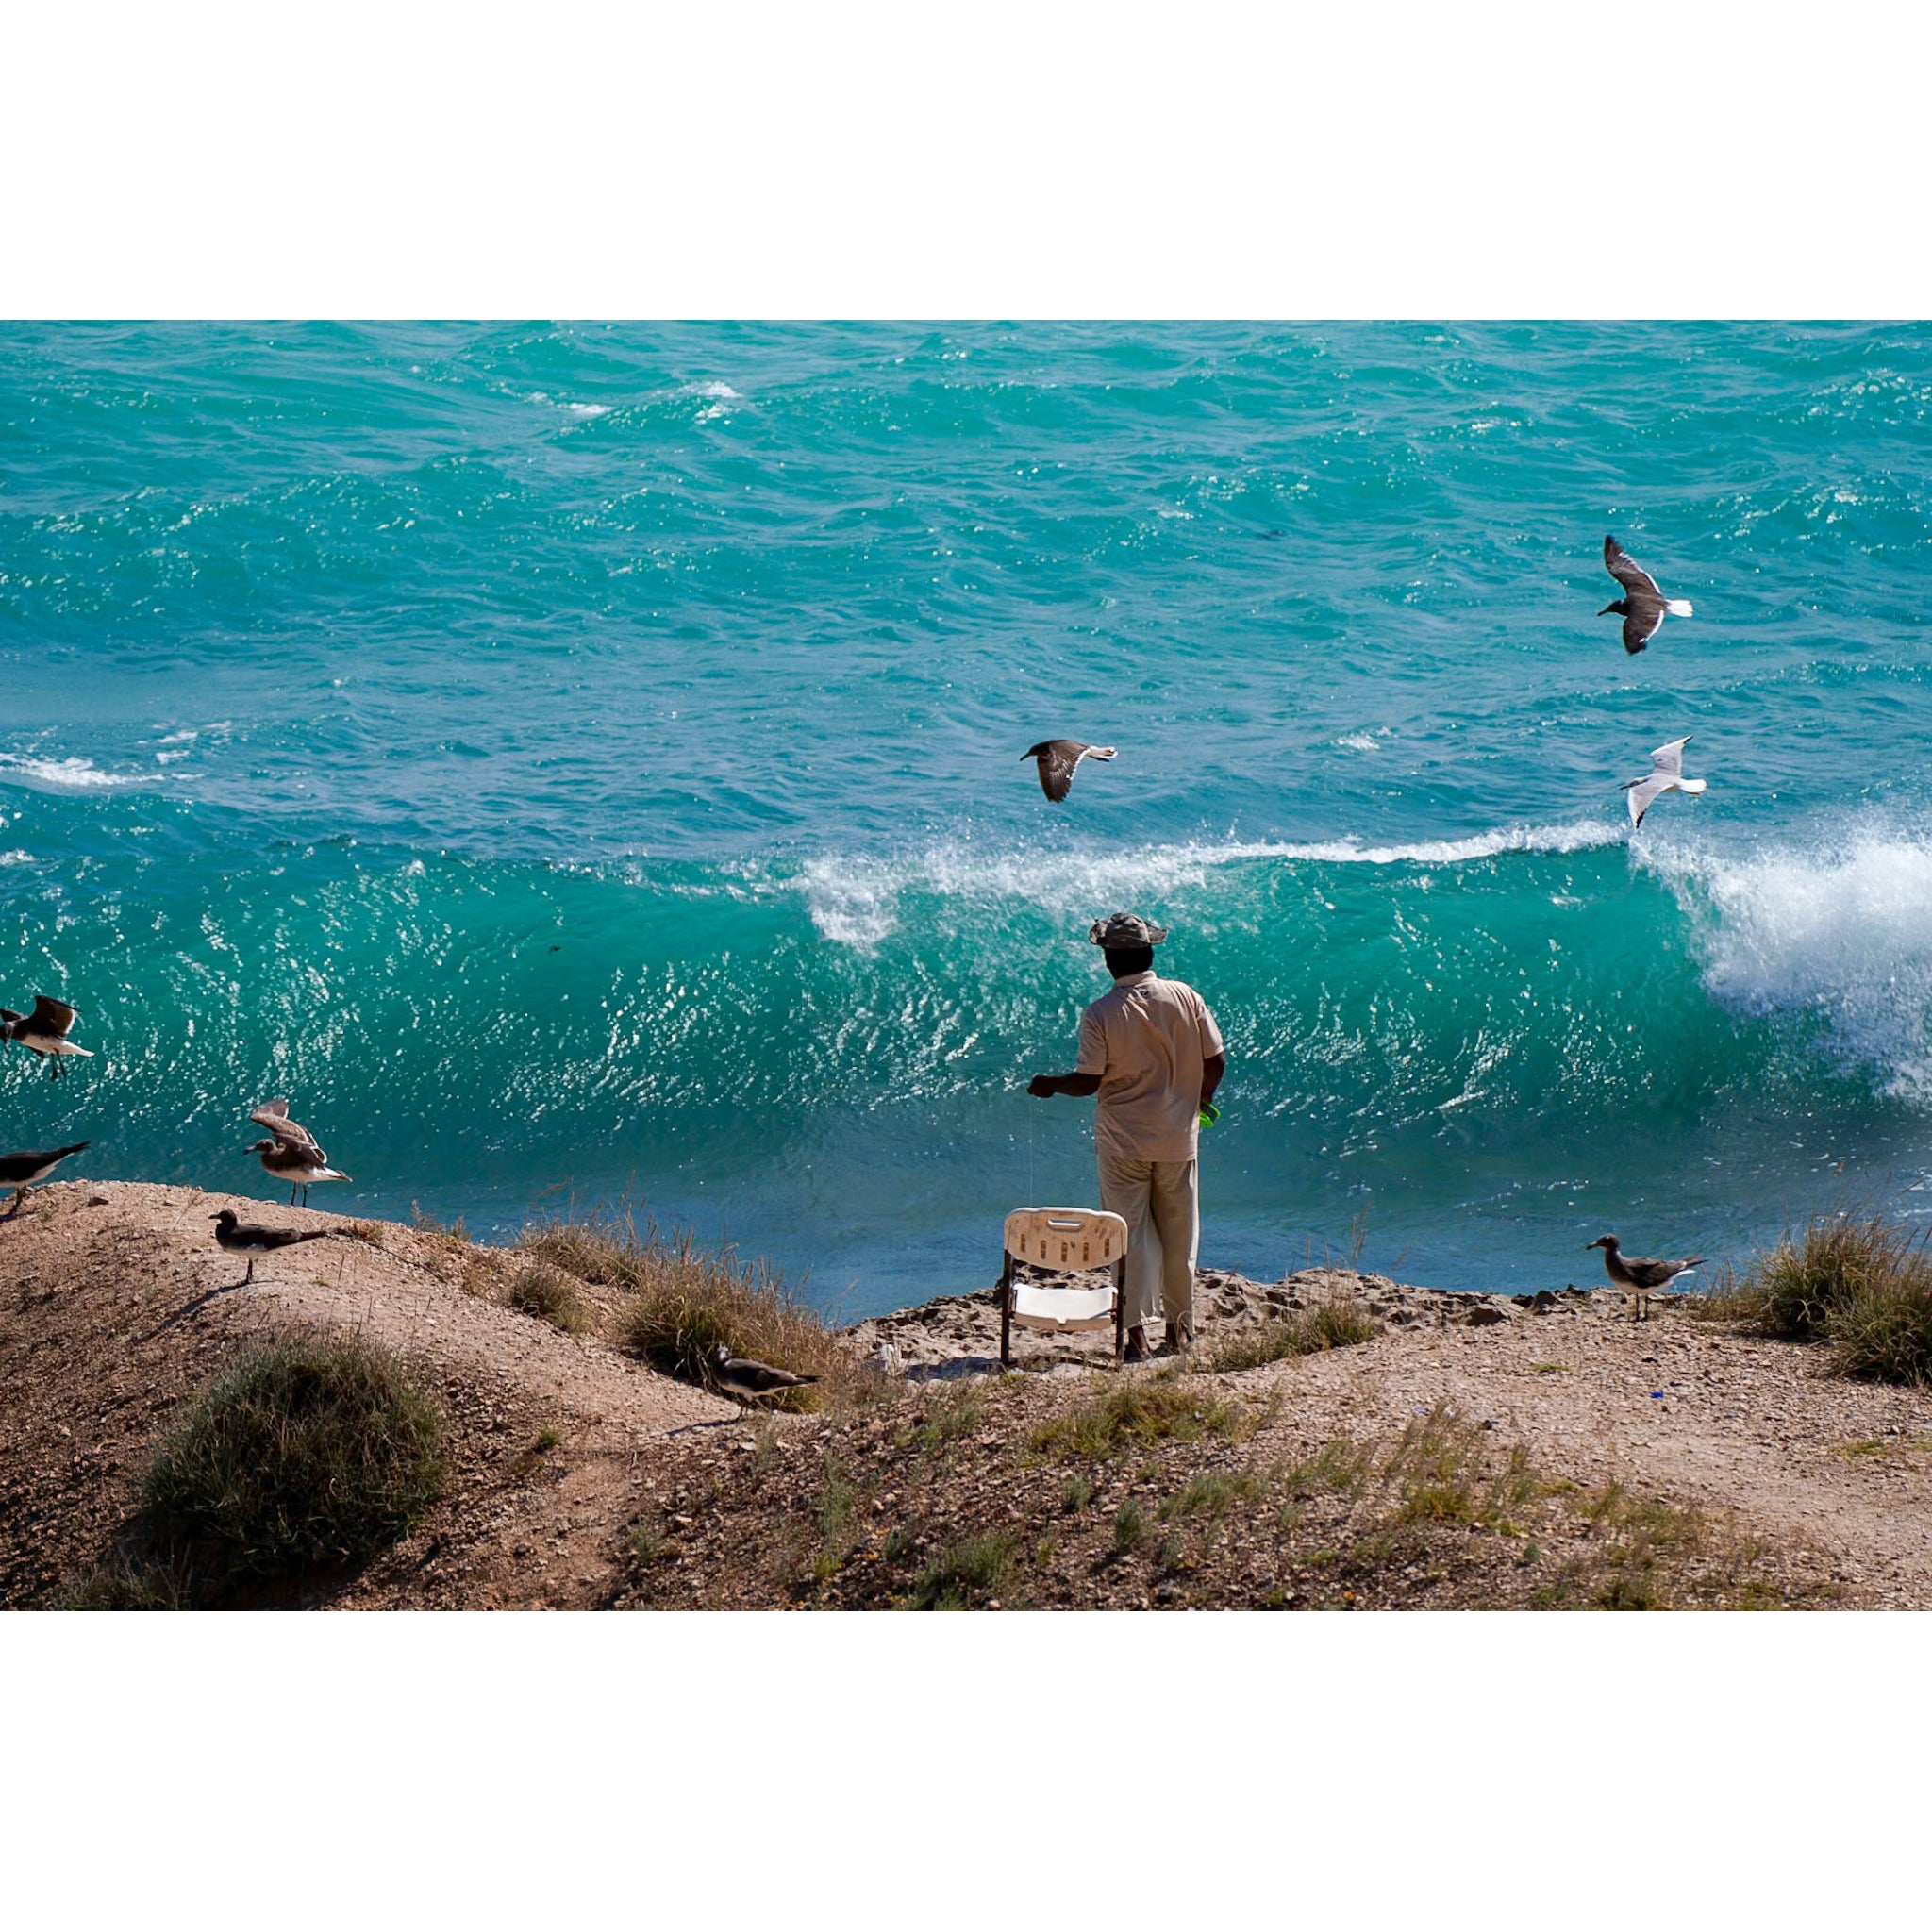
[[1642, 605], [1058, 757]]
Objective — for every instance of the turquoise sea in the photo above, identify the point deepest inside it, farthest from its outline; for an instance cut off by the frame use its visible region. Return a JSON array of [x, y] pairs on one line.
[[584, 761]]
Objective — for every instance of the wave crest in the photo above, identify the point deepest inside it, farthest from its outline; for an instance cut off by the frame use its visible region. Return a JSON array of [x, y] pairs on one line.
[[1840, 927], [855, 900]]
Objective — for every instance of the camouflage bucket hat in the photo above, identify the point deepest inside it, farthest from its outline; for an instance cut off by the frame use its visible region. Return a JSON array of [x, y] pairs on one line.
[[1126, 930]]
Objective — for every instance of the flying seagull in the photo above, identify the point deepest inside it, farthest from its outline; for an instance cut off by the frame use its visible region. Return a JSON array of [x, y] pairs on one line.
[[45, 1030], [1666, 775], [294, 1156], [251, 1237], [1639, 1276], [1642, 605], [1058, 757], [22, 1171], [746, 1381]]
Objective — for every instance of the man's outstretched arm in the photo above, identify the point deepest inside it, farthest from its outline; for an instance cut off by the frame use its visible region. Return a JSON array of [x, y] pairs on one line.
[[1045, 1085]]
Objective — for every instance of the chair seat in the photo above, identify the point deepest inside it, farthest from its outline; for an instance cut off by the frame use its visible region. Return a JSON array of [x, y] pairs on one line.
[[1064, 1311]]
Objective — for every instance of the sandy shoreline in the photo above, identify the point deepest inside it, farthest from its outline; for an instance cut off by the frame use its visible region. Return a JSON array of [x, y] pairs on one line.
[[116, 1307]]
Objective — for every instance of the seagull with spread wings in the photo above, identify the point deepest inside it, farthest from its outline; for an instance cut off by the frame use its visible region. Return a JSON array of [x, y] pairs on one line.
[[1058, 758], [1666, 775], [1642, 605], [43, 1031], [293, 1155]]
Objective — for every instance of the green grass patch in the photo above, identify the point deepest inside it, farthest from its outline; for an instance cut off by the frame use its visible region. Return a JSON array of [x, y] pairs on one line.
[[126, 1583], [965, 1575], [1134, 1412], [1338, 1322], [311, 1451], [1340, 1464], [1212, 1494], [944, 1421]]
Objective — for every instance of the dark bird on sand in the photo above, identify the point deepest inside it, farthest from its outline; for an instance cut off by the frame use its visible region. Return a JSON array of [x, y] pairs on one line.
[[746, 1381], [1058, 758], [251, 1237], [44, 1031], [21, 1171], [1638, 1273], [295, 1154], [1642, 605]]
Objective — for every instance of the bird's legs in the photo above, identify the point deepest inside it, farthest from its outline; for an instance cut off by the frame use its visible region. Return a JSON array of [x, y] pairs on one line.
[[292, 1193], [19, 1195]]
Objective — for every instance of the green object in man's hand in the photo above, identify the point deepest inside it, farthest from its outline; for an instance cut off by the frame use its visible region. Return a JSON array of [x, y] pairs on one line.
[[1209, 1114]]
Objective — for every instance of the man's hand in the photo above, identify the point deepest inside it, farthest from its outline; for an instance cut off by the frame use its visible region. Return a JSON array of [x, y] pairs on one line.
[[1042, 1086]]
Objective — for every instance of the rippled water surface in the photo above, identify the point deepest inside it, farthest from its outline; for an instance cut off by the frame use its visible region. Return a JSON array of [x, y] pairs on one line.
[[581, 760]]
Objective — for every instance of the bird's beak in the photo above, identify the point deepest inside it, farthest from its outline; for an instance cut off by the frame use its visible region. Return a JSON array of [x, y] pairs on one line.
[[1607, 609]]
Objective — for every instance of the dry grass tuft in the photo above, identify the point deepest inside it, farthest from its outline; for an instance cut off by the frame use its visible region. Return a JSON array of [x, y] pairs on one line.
[[682, 1301], [550, 1295], [1860, 1283]]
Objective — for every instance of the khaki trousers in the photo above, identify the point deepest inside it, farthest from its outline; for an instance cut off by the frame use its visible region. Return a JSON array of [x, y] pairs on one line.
[[1160, 1202]]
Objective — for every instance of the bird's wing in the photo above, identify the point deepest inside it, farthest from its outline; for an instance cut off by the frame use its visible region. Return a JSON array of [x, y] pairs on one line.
[[1670, 757], [1057, 763], [1644, 793], [274, 1115], [1627, 571], [761, 1375], [53, 1016]]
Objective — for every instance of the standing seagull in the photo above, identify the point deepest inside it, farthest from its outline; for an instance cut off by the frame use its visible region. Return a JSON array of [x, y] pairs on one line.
[[1058, 758], [1666, 775], [45, 1030], [746, 1381], [251, 1237], [1639, 1276], [21, 1171], [1642, 605], [295, 1154]]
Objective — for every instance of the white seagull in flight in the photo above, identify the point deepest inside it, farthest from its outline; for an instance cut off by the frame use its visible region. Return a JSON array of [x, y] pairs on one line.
[[1666, 775]]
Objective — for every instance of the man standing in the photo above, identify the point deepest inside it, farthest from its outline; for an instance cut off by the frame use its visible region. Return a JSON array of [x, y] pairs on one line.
[[1150, 1049]]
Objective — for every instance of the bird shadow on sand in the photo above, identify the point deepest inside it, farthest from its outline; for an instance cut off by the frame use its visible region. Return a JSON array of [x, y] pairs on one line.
[[182, 1314]]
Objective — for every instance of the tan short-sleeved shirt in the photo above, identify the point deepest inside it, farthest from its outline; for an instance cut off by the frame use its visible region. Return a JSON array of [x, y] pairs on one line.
[[1148, 1039]]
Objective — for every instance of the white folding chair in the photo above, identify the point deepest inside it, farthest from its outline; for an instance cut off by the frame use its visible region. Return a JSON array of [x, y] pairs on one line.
[[1068, 1241]]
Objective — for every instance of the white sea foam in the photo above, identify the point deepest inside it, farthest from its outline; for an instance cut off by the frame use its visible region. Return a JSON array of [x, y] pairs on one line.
[[1358, 740], [588, 412], [16, 858], [1840, 926], [65, 775], [855, 901], [715, 392]]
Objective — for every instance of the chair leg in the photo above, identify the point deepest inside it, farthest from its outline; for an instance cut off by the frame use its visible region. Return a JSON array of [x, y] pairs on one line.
[[1119, 1308], [1006, 1311]]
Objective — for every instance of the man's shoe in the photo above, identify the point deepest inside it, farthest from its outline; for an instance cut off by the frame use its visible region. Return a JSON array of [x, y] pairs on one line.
[[1180, 1335], [1136, 1343]]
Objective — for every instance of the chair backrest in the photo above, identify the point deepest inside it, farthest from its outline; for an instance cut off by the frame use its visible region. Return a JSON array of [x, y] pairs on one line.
[[1066, 1238]]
